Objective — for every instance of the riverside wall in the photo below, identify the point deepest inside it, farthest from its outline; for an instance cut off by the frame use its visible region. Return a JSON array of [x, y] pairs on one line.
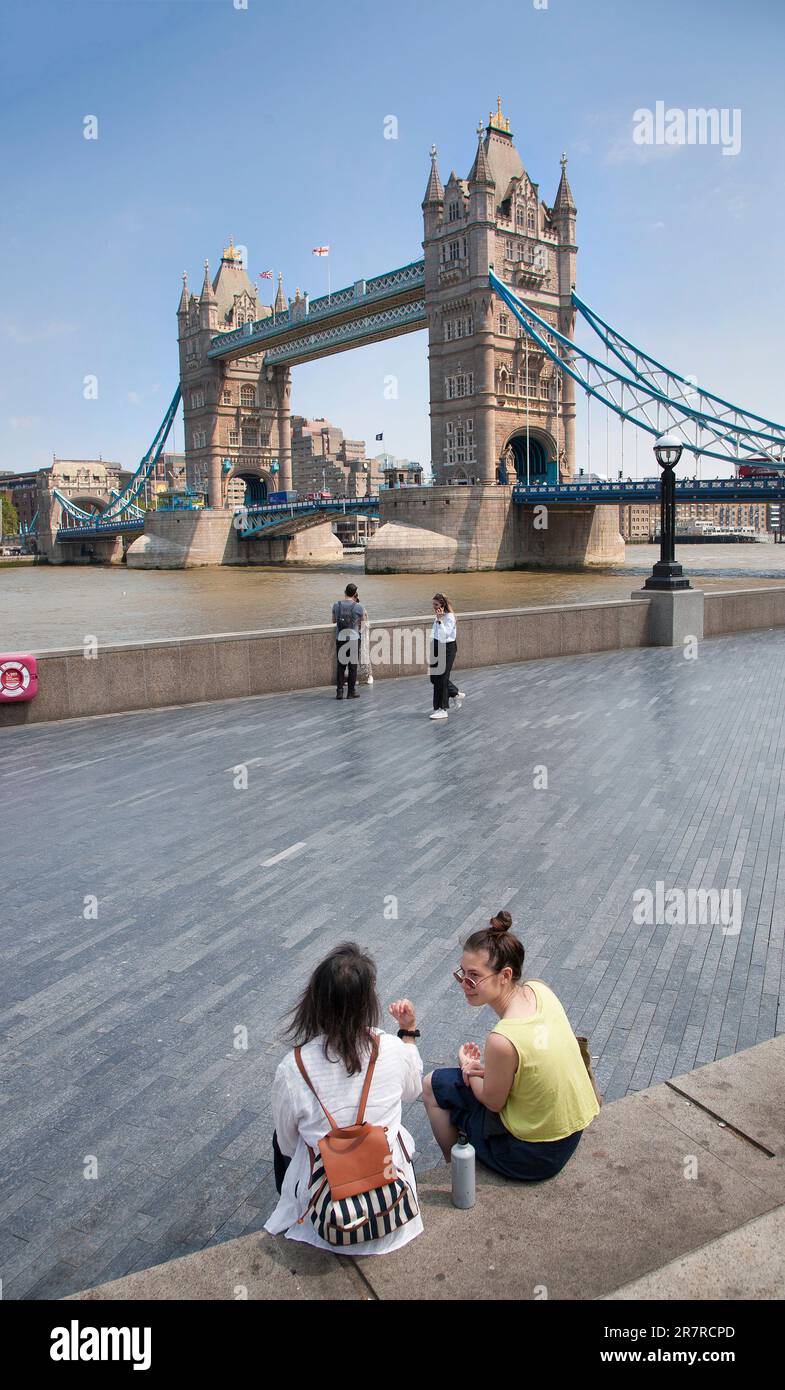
[[147, 675]]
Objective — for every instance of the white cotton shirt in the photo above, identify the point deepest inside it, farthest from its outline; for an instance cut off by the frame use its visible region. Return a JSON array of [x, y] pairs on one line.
[[300, 1121], [445, 628]]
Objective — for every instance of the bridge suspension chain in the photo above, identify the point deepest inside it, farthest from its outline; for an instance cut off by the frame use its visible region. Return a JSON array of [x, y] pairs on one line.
[[650, 409]]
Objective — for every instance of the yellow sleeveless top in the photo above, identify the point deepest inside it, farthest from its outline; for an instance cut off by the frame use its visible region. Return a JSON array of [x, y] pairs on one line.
[[551, 1094]]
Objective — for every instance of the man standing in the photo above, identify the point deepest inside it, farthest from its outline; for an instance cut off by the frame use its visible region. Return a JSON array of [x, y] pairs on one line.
[[348, 614]]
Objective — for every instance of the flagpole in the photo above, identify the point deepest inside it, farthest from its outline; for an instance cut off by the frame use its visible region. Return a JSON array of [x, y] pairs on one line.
[[329, 297]]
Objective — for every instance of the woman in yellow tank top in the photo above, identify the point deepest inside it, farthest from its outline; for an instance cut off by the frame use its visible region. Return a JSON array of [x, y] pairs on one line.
[[525, 1107]]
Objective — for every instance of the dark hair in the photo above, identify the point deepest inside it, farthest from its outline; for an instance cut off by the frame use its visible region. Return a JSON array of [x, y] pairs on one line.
[[501, 944], [444, 601], [340, 1001], [351, 590]]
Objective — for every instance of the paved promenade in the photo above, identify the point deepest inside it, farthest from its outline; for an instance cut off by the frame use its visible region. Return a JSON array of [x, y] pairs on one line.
[[215, 900]]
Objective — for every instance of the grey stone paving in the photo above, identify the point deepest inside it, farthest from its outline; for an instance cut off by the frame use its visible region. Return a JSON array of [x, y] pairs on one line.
[[215, 902]]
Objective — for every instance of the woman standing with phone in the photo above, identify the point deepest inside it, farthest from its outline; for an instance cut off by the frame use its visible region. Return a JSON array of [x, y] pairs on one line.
[[445, 646]]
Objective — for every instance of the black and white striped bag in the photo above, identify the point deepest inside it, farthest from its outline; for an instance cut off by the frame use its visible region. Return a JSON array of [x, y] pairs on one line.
[[356, 1193]]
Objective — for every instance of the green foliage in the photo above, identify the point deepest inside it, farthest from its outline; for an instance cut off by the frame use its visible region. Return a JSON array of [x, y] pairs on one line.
[[10, 524]]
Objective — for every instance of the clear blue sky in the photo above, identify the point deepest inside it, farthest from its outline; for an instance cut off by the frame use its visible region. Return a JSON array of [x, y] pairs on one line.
[[267, 123]]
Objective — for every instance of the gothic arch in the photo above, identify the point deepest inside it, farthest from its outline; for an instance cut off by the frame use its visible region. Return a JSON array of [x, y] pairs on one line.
[[541, 450]]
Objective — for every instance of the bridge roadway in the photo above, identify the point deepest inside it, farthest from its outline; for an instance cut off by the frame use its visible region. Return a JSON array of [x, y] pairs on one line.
[[214, 903], [282, 518]]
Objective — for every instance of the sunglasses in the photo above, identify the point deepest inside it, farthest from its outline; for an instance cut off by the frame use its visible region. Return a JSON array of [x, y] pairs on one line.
[[466, 980]]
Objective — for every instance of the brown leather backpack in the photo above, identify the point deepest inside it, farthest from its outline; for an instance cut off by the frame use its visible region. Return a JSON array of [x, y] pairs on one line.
[[356, 1192]]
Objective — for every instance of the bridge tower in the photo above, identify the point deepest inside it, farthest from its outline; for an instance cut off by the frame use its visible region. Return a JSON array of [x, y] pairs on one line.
[[236, 413], [496, 403]]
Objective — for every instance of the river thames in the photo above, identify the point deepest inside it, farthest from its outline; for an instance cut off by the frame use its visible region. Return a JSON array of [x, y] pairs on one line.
[[44, 607]]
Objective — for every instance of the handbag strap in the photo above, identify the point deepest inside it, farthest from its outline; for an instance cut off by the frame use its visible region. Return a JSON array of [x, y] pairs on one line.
[[368, 1075], [298, 1057], [306, 1078]]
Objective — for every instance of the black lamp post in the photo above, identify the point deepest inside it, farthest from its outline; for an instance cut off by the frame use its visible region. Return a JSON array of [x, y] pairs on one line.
[[666, 574]]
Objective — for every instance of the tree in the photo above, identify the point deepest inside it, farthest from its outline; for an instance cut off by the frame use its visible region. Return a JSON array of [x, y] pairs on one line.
[[10, 522]]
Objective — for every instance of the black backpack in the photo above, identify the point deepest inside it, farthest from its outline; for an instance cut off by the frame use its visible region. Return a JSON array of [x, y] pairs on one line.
[[347, 618]]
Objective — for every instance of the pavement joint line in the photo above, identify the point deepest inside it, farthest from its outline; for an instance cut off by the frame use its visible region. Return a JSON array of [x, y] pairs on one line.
[[739, 1133], [352, 1266]]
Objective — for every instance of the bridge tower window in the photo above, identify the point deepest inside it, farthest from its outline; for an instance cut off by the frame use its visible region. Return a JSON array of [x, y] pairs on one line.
[[453, 212], [247, 395]]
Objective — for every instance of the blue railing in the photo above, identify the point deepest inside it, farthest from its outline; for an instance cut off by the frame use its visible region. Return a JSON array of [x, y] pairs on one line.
[[687, 490]]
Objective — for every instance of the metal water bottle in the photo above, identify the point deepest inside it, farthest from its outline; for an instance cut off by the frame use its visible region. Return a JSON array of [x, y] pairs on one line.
[[462, 1169]]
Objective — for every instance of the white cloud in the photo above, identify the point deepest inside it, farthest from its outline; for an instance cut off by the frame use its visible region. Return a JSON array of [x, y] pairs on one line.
[[40, 333], [624, 150], [22, 422]]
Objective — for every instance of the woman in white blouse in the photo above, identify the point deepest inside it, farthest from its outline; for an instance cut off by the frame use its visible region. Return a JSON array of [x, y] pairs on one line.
[[333, 1022], [445, 646]]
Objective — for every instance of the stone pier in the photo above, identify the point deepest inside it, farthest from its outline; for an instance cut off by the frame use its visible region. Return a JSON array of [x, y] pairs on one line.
[[186, 539], [438, 529]]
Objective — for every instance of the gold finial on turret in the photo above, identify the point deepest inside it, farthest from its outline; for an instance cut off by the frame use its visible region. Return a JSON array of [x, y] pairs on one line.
[[496, 120], [231, 253]]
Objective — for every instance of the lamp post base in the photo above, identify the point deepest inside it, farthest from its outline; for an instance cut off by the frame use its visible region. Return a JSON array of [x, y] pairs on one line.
[[667, 575]]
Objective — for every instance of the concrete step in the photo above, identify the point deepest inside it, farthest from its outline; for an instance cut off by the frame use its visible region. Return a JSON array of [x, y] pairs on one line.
[[677, 1191]]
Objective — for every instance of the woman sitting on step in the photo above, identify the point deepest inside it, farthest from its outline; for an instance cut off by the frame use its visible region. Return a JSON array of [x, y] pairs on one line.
[[322, 1087], [525, 1107]]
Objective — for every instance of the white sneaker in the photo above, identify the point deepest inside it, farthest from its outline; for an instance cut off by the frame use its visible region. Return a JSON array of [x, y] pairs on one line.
[[439, 714], [460, 697]]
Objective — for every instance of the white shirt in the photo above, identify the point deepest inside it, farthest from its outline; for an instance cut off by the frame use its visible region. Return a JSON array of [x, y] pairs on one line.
[[445, 628], [300, 1121]]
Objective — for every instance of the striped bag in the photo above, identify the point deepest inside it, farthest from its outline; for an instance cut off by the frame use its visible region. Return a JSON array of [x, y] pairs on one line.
[[356, 1192]]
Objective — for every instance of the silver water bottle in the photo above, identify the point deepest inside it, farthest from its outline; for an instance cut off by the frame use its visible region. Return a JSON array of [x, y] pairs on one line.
[[462, 1170]]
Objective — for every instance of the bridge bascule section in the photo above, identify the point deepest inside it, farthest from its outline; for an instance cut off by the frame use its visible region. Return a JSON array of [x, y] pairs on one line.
[[495, 291]]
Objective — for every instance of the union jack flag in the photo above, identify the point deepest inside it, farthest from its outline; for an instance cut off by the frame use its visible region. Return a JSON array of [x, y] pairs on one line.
[[265, 275]]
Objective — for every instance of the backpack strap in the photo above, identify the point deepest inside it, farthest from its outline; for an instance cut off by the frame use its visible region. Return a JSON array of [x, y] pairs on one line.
[[298, 1057], [368, 1076]]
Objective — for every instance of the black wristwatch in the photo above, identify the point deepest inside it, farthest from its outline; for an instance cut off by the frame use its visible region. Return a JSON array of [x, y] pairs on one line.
[[408, 1033]]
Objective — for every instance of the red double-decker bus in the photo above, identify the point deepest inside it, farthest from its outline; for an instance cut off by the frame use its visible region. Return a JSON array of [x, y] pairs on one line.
[[761, 467]]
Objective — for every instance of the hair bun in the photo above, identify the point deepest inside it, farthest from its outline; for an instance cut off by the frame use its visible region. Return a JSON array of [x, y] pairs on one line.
[[501, 922]]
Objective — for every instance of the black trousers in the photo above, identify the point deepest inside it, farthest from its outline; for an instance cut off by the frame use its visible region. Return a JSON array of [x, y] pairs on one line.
[[346, 669], [280, 1164], [444, 654]]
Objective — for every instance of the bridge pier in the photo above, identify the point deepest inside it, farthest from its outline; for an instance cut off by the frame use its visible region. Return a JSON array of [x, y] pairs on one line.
[[187, 539], [441, 529]]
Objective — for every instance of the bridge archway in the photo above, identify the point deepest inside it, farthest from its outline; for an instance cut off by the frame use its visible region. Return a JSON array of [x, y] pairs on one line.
[[541, 450], [87, 502], [256, 485]]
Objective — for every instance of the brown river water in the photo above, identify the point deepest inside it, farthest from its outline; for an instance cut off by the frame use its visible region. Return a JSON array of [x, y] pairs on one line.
[[47, 606]]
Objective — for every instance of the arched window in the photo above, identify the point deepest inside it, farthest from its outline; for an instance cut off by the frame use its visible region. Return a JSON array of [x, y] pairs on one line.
[[247, 395]]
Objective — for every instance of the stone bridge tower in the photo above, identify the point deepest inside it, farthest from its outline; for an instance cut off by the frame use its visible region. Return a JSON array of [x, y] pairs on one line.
[[237, 414], [496, 403]]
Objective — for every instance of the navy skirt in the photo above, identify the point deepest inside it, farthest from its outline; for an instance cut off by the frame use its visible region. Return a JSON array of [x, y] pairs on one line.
[[494, 1146]]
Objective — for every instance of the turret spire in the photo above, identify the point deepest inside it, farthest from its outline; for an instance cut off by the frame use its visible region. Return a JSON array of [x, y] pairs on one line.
[[480, 171], [434, 193], [182, 307], [565, 203], [208, 294], [280, 297]]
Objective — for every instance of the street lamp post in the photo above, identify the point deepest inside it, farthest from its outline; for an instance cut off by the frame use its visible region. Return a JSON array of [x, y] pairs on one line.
[[666, 573]]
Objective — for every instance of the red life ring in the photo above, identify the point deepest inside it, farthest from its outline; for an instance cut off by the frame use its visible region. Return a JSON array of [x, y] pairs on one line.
[[18, 677]]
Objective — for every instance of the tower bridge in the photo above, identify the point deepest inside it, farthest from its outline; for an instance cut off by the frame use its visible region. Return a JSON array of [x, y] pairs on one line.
[[496, 292]]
